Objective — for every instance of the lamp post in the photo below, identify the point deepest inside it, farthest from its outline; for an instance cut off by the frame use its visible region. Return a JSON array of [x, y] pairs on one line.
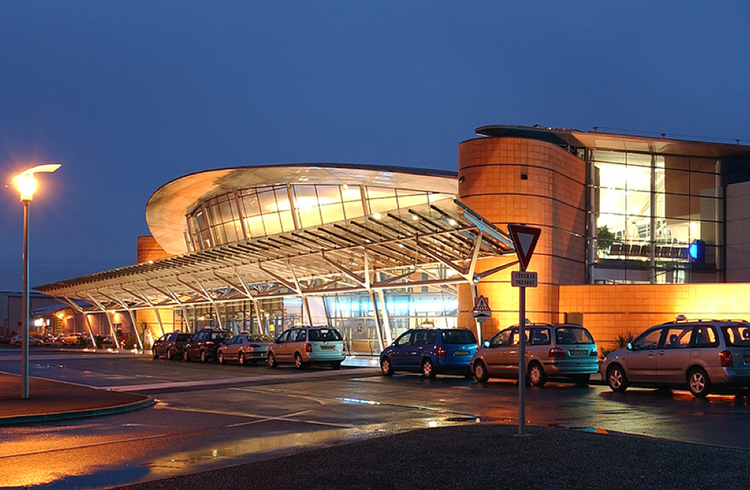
[[26, 185]]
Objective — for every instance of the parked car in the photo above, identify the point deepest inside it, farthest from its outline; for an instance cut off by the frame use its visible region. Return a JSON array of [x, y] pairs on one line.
[[551, 351], [700, 354], [73, 338], [307, 345], [170, 345], [204, 344], [245, 348], [33, 341], [430, 351]]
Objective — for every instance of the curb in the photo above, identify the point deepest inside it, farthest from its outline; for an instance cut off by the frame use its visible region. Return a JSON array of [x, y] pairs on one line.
[[80, 414]]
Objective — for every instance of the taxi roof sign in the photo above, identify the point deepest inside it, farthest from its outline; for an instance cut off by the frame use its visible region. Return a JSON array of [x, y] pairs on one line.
[[524, 239]]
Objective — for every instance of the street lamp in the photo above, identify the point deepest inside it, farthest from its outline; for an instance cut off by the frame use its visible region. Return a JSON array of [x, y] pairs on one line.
[[26, 185]]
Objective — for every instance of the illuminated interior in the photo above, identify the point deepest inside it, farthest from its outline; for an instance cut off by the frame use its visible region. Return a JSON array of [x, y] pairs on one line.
[[649, 209]]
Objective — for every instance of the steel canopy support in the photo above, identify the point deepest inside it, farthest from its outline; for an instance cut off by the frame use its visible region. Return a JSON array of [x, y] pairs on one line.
[[80, 310], [109, 321], [132, 316], [153, 307]]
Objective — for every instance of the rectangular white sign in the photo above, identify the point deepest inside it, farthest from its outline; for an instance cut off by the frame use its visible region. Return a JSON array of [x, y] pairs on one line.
[[523, 279]]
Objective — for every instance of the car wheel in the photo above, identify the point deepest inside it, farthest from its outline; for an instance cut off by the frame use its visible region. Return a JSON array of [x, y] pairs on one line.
[[154, 353], [221, 357], [272, 361], [698, 383], [616, 379], [169, 355], [537, 377], [386, 367], [428, 369], [241, 359], [336, 365], [185, 356], [298, 361], [203, 356], [480, 372]]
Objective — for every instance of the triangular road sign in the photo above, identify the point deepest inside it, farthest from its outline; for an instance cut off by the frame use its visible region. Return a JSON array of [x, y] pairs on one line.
[[481, 308], [524, 239]]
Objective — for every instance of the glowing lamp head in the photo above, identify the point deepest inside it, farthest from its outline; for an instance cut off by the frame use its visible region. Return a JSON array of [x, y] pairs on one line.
[[26, 183]]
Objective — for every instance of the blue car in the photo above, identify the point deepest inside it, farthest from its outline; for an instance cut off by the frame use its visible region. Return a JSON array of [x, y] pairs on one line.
[[430, 351]]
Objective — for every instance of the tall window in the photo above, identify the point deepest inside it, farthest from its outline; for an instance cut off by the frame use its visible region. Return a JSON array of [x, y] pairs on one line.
[[649, 209]]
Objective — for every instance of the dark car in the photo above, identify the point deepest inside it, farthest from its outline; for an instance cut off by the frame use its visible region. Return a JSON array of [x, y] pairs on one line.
[[204, 344], [170, 345], [430, 351]]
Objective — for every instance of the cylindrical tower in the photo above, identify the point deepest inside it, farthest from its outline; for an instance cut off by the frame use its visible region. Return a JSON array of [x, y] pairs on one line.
[[531, 182]]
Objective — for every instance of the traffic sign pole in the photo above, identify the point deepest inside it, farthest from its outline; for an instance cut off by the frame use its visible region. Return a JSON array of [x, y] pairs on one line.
[[524, 241], [521, 359]]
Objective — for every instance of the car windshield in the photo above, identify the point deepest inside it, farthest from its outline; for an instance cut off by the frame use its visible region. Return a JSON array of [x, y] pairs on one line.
[[737, 335], [573, 335], [457, 337], [323, 334]]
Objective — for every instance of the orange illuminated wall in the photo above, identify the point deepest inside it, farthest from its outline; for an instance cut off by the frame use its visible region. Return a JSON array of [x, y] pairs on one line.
[[149, 249], [610, 310], [515, 180]]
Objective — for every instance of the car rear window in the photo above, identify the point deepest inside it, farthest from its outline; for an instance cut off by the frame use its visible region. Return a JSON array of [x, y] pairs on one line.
[[573, 335], [219, 335], [737, 335], [324, 334], [457, 337]]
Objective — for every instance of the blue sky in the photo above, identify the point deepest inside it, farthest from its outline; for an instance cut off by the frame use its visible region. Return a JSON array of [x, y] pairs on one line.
[[130, 95]]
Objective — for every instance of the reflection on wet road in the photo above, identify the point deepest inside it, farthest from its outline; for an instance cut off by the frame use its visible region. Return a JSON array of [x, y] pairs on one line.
[[260, 413]]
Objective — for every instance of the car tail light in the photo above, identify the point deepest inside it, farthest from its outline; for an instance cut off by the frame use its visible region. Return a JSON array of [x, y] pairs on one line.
[[210, 342], [556, 352], [254, 346], [308, 348], [726, 358], [441, 351]]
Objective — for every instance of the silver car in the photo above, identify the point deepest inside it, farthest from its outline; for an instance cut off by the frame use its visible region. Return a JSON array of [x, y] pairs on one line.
[[552, 351], [699, 354], [245, 348], [307, 345]]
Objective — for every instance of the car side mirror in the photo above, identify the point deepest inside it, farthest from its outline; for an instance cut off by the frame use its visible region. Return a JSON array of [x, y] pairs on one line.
[[486, 343], [630, 346]]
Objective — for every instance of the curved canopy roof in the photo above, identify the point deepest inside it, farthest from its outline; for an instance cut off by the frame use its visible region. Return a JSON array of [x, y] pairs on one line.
[[167, 207]]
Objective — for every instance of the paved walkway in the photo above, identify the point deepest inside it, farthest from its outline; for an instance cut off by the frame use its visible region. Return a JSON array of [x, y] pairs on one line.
[[54, 400]]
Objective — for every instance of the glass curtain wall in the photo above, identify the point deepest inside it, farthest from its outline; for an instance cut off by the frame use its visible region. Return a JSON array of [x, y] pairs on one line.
[[259, 211], [649, 209]]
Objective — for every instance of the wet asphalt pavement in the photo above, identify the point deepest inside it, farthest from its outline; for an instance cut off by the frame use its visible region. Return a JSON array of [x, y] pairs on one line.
[[483, 456]]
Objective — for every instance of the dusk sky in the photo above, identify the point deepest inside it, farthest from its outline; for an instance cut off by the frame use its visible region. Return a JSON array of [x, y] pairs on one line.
[[129, 95]]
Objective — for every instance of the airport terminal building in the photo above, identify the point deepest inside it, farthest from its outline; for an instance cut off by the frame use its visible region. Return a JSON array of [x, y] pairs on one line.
[[635, 230]]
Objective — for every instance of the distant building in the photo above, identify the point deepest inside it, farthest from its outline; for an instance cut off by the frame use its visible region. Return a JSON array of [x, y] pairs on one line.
[[11, 311], [635, 230]]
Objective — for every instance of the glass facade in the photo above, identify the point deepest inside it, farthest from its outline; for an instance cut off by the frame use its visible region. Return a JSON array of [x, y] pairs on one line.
[[258, 211], [648, 209]]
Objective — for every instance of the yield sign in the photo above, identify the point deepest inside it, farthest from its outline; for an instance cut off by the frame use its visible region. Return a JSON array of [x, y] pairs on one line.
[[524, 239]]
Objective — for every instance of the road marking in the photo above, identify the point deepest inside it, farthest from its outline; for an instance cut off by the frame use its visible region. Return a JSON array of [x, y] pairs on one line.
[[283, 417]]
